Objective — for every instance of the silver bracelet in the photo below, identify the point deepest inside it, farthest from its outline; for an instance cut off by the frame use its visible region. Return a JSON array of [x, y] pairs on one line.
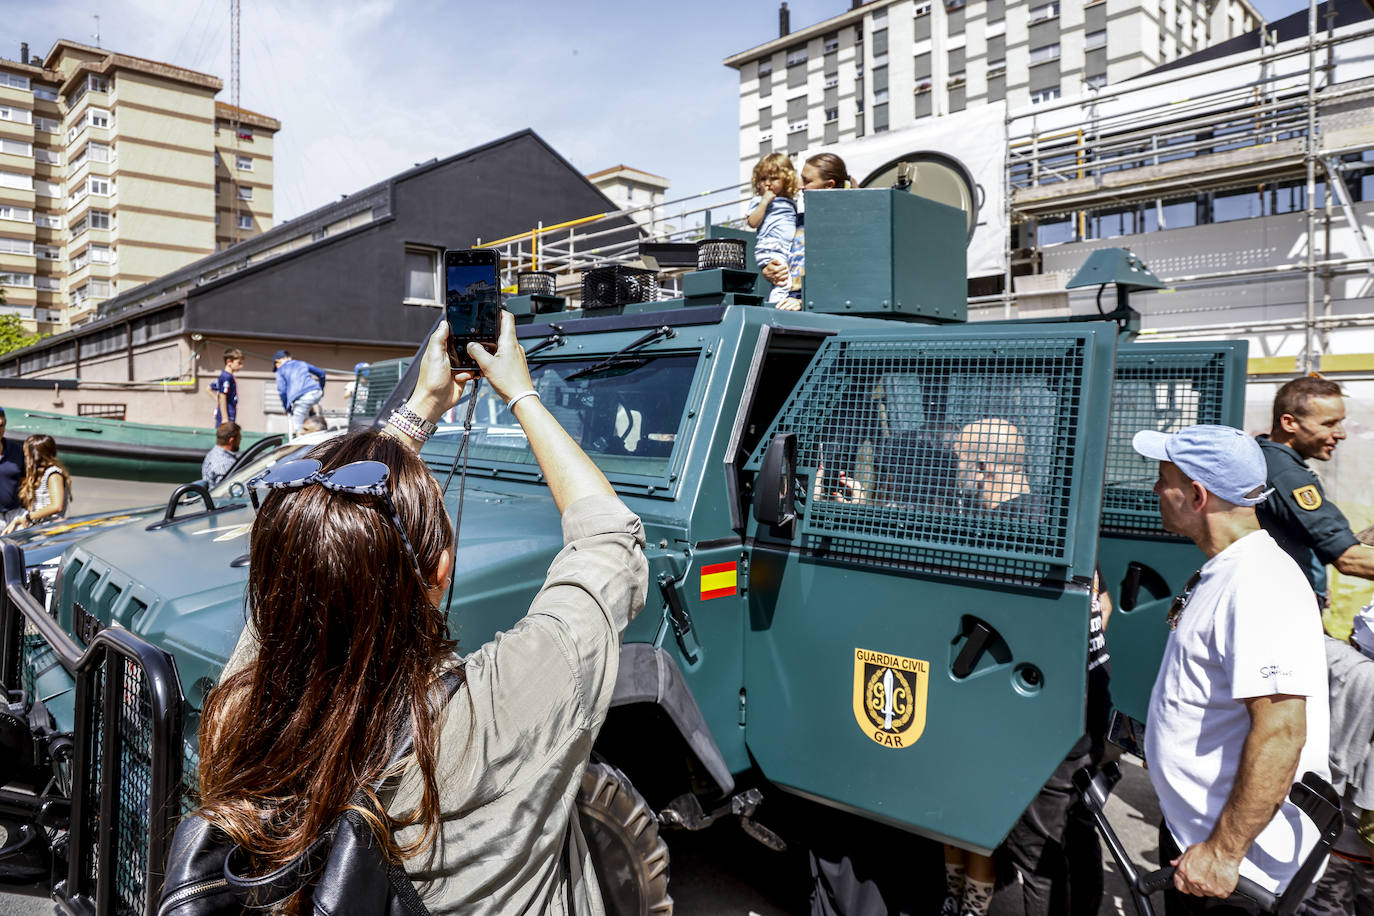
[[426, 426], [510, 405]]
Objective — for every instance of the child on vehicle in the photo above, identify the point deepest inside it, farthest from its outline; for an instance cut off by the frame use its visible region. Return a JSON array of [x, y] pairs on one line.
[[773, 212]]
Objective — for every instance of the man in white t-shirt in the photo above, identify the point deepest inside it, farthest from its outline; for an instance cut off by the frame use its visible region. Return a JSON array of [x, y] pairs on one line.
[[1239, 707]]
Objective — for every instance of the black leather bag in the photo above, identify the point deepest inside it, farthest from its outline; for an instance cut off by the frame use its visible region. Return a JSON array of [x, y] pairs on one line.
[[345, 869]]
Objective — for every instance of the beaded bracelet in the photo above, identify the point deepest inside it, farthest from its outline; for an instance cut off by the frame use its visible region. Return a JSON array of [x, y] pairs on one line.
[[406, 427]]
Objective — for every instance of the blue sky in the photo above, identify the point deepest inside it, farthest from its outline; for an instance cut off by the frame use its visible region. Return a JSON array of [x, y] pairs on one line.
[[367, 88]]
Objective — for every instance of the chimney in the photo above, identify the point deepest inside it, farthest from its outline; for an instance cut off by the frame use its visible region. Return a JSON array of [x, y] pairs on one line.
[[855, 4], [23, 52], [784, 21]]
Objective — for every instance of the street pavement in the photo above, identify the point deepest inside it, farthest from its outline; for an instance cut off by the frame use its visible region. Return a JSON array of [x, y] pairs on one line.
[[720, 870]]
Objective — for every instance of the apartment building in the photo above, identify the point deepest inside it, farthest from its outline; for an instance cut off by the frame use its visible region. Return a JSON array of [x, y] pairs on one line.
[[633, 189], [113, 172], [886, 65]]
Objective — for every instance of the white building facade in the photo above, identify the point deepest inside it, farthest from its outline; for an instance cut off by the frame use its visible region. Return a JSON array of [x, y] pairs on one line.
[[888, 65]]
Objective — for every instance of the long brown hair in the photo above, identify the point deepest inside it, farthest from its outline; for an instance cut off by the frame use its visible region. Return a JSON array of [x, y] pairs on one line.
[[349, 647], [40, 453]]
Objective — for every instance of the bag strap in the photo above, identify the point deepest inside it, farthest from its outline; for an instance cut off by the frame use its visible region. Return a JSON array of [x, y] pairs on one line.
[[278, 885]]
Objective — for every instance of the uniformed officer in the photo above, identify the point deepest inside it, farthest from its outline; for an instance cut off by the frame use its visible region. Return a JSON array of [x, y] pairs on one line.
[[1309, 414]]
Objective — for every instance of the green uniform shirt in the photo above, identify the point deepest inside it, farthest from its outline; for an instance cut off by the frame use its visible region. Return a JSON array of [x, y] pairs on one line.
[[1306, 524]]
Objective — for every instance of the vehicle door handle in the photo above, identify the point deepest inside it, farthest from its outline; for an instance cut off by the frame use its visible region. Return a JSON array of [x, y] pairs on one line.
[[1138, 574], [979, 637]]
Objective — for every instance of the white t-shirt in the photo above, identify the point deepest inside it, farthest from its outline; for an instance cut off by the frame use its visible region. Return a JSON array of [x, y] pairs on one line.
[[1249, 630]]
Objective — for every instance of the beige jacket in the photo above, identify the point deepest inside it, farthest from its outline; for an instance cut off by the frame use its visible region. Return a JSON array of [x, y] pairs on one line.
[[515, 740]]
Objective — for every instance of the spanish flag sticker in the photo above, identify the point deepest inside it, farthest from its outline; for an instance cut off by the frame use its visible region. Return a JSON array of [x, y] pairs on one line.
[[719, 580]]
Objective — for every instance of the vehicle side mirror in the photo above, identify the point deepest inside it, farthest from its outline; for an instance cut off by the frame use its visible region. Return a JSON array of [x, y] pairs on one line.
[[775, 488]]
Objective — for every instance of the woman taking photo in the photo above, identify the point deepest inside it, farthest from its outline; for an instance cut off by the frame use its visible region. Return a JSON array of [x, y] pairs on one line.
[[346, 642]]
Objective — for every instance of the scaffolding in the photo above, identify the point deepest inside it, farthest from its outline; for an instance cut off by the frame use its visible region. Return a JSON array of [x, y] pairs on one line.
[[1278, 121]]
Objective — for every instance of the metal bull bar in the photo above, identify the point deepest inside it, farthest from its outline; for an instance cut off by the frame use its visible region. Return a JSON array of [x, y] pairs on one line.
[[1313, 796], [128, 729]]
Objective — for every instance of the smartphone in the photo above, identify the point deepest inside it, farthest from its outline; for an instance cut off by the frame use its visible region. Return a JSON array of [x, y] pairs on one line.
[[472, 303]]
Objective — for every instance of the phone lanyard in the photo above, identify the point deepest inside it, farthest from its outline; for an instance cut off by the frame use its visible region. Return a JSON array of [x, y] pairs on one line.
[[462, 484]]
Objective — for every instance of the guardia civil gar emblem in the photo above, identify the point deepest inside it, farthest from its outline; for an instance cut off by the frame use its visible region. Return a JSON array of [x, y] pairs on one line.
[[890, 697], [1308, 497]]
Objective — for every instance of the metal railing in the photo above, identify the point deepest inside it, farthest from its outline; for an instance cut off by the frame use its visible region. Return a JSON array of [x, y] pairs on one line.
[[126, 771], [613, 237]]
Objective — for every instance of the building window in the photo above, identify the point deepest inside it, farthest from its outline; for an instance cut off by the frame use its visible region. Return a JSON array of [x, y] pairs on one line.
[[98, 287], [99, 118], [319, 234], [245, 193], [101, 254], [47, 125], [1045, 95], [16, 279], [49, 253], [16, 147], [796, 56], [765, 144], [1096, 82], [956, 64], [997, 52], [832, 114], [18, 214], [997, 10], [99, 186], [1096, 39], [1048, 52], [217, 218], [997, 86], [48, 284], [797, 143], [245, 221], [16, 180], [422, 276], [99, 152], [15, 246], [99, 83], [831, 43], [47, 221], [13, 80], [244, 163], [46, 188], [766, 117], [17, 115], [957, 95], [879, 118], [879, 42], [922, 24], [954, 17], [51, 157], [99, 219], [45, 93], [1044, 11]]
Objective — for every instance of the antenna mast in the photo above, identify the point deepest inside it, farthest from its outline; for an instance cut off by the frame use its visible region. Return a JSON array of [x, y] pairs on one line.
[[234, 115]]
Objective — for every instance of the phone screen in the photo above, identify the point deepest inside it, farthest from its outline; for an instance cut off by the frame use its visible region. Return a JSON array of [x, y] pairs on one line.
[[473, 303]]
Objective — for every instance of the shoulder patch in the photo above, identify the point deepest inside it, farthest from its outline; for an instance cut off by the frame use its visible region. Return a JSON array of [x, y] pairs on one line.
[[1308, 497]]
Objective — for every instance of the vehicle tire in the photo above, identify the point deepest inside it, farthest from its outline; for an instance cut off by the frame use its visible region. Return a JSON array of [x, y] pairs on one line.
[[622, 833]]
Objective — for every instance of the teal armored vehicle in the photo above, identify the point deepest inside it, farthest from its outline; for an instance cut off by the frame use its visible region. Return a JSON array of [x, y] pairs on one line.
[[843, 608]]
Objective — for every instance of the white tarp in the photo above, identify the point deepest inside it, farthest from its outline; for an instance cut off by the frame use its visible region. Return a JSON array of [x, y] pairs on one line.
[[977, 139]]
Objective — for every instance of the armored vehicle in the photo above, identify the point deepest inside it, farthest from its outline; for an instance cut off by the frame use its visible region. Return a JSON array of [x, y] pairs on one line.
[[842, 609]]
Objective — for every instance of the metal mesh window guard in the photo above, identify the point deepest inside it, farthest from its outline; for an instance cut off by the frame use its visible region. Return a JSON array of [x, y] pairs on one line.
[[1161, 391], [940, 445]]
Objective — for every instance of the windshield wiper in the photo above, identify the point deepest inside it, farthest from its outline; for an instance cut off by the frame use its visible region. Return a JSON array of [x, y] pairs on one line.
[[556, 339], [663, 332]]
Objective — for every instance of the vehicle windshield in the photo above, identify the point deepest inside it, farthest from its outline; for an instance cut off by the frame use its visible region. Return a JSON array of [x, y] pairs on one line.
[[226, 488], [626, 415]]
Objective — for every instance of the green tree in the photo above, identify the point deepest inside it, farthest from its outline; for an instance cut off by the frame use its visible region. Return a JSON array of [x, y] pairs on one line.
[[12, 334]]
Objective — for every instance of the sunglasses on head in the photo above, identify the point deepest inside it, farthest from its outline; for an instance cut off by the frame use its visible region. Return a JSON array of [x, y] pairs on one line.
[[361, 478]]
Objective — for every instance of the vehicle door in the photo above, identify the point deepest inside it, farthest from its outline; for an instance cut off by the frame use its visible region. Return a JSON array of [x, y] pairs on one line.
[[1164, 387], [913, 652]]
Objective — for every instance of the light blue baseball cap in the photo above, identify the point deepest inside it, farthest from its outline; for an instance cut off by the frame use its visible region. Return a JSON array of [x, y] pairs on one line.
[[1222, 458]]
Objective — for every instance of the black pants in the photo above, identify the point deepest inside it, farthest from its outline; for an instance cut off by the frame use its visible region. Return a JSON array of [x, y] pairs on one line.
[[1051, 863], [1179, 904]]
